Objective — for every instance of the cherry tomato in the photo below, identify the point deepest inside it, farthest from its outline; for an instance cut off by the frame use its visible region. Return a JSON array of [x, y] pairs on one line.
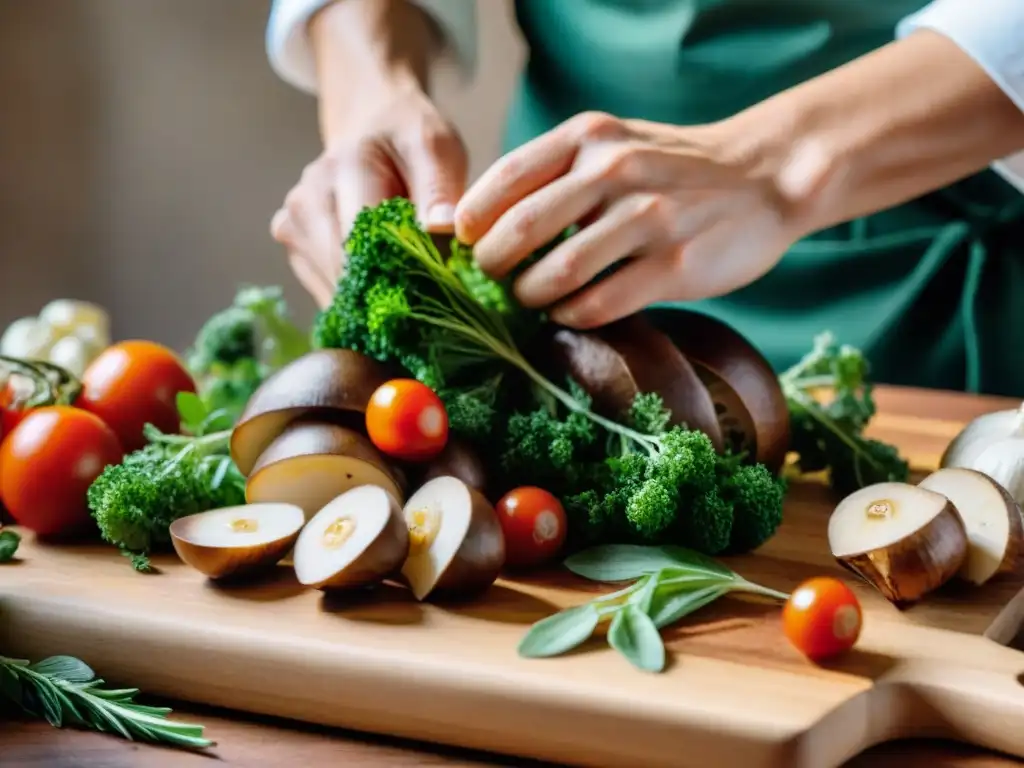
[[407, 420], [534, 524], [48, 463], [822, 618], [134, 382], [10, 414]]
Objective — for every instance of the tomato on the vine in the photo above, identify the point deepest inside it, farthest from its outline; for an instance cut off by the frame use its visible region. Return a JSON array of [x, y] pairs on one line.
[[132, 383], [534, 524], [407, 420], [822, 618], [11, 413], [47, 464]]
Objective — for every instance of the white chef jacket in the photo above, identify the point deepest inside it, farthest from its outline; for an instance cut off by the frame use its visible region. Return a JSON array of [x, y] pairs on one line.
[[989, 31]]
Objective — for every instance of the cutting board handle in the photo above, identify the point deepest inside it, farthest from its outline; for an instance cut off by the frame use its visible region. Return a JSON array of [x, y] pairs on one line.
[[984, 707]]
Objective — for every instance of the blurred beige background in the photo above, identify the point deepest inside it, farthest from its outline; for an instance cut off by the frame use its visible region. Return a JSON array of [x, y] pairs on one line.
[[144, 145]]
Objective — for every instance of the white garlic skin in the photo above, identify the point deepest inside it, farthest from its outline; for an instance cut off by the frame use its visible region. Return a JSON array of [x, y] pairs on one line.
[[1003, 461]]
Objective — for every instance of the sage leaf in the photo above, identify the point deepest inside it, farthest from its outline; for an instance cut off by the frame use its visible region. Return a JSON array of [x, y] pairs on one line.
[[623, 562], [670, 605], [9, 542], [560, 632], [633, 634], [641, 598], [65, 667]]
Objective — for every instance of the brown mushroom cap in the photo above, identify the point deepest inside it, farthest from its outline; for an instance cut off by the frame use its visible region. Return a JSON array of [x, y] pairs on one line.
[[630, 356], [324, 379], [751, 406], [458, 459], [310, 463]]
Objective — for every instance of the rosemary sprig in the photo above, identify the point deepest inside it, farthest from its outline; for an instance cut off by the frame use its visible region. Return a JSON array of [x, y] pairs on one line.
[[66, 692], [671, 582]]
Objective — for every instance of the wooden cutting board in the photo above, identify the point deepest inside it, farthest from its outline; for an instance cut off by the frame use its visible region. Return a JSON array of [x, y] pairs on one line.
[[735, 692]]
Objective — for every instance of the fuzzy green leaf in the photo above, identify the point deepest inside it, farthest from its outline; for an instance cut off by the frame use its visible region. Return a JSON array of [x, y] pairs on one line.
[[622, 562], [560, 632], [634, 635]]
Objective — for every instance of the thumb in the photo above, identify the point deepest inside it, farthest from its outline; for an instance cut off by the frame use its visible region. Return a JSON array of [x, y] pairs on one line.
[[436, 176]]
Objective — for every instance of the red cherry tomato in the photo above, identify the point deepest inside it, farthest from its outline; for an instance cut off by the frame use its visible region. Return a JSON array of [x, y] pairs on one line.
[[132, 383], [10, 414], [534, 524], [48, 463], [822, 618], [407, 420]]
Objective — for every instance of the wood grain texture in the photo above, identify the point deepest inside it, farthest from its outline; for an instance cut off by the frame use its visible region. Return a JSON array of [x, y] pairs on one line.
[[735, 692]]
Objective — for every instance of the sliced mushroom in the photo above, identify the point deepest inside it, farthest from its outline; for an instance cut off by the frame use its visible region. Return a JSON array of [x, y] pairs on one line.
[[311, 463], [616, 362], [458, 459], [357, 539], [747, 397], [903, 539], [457, 547], [337, 381], [232, 541], [995, 530]]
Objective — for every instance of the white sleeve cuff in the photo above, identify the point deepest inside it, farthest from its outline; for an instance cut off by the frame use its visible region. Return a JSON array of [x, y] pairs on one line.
[[993, 36], [291, 54]]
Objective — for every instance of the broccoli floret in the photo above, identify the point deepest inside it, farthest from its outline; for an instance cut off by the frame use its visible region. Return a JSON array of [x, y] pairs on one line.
[[135, 502], [756, 496], [224, 339]]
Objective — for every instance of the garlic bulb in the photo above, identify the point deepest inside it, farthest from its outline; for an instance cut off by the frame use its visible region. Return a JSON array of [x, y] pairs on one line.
[[979, 434], [67, 332], [1003, 460], [28, 339]]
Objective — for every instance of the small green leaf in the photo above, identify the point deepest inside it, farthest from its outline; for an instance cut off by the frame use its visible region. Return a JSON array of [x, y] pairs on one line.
[[633, 634], [9, 542], [560, 632], [622, 562], [191, 409], [641, 598], [670, 605], [65, 667]]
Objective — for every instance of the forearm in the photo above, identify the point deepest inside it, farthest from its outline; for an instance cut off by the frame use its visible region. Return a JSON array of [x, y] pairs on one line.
[[366, 48], [900, 122]]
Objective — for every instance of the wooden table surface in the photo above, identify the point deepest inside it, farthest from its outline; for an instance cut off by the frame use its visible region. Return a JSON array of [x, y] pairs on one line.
[[256, 742]]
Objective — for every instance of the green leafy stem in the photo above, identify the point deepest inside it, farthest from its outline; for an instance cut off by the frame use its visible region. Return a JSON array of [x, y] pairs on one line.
[[66, 692], [671, 583]]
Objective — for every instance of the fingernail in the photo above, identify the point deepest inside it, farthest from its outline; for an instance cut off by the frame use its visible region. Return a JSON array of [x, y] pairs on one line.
[[440, 216]]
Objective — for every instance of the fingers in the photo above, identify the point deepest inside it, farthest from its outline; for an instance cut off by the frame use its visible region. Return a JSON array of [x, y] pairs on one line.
[[646, 280], [516, 175], [534, 222], [623, 229], [362, 177], [315, 283], [435, 167]]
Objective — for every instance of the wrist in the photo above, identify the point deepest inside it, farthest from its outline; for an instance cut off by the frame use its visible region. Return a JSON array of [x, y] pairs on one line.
[[369, 53]]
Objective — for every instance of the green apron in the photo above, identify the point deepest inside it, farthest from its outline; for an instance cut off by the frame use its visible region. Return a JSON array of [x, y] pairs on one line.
[[931, 291]]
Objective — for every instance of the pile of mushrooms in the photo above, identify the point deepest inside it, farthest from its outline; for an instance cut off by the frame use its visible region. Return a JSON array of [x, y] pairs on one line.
[[318, 488], [908, 540]]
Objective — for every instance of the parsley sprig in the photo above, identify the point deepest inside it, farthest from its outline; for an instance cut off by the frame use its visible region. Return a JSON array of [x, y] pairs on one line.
[[66, 692]]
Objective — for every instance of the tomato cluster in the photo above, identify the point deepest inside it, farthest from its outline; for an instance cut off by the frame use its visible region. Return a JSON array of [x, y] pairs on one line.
[[50, 455]]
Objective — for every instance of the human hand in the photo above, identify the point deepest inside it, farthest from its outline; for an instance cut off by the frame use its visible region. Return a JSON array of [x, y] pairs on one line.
[[399, 145], [689, 213]]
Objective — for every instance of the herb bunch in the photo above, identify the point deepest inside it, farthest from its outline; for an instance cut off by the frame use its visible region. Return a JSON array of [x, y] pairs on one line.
[[66, 692], [830, 435], [670, 583]]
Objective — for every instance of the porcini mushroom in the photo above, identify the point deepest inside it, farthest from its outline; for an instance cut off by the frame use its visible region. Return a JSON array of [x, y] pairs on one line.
[[903, 539], [333, 381], [310, 463], [617, 361], [357, 539], [992, 518], [234, 540], [748, 399], [456, 545]]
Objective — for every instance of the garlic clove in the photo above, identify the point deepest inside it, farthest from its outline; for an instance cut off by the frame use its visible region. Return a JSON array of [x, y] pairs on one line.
[[72, 354], [28, 339], [1003, 461], [979, 434], [65, 315]]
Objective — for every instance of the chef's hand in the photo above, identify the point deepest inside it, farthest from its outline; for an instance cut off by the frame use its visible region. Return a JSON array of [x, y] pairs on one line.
[[691, 215], [382, 135]]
